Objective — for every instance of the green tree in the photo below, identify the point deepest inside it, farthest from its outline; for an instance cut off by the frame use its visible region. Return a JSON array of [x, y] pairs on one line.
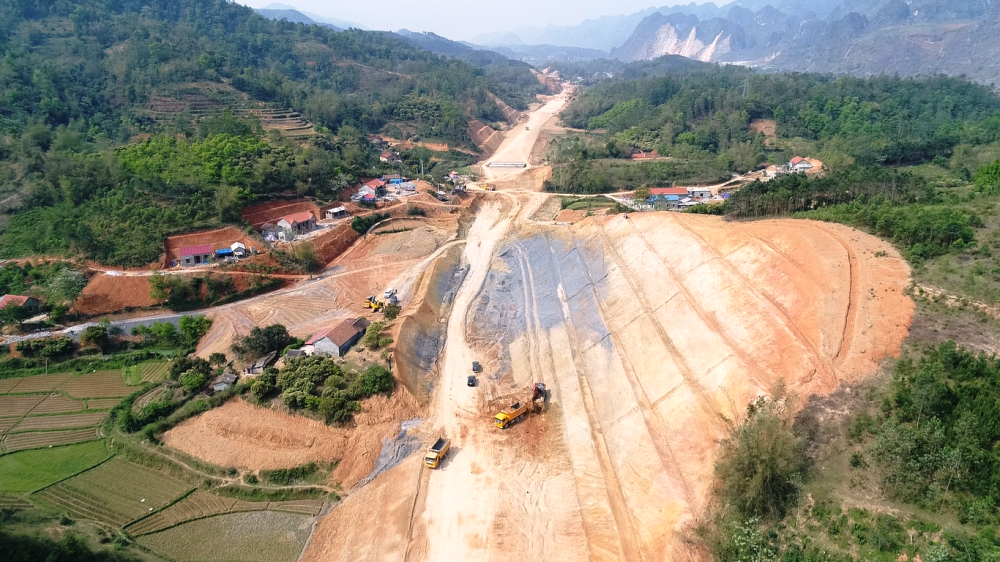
[[193, 381], [641, 194], [194, 328], [14, 314], [261, 341], [761, 462], [67, 285], [391, 311], [376, 379], [217, 359]]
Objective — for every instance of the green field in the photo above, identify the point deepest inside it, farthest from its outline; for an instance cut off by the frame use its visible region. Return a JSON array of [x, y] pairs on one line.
[[31, 470], [264, 536]]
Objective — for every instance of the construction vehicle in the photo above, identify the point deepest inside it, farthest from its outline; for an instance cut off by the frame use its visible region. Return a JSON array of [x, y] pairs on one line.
[[519, 410], [437, 452], [490, 187], [374, 304]]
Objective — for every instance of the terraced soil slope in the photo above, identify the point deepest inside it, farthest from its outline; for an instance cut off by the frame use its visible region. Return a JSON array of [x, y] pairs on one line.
[[647, 331]]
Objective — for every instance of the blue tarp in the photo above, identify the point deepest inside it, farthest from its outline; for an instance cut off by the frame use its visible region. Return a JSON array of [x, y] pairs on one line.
[[224, 252]]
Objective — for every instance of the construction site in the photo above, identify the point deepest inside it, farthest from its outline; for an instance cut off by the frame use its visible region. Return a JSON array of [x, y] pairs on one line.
[[561, 388]]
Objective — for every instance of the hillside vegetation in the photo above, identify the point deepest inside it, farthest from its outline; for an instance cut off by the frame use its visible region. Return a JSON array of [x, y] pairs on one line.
[[81, 80], [705, 117]]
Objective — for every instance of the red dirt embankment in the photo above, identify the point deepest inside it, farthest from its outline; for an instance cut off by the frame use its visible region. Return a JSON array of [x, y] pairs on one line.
[[335, 242], [218, 239], [258, 215], [105, 294]]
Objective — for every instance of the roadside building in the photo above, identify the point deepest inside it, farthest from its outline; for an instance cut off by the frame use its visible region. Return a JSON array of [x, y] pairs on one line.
[[335, 341], [195, 255], [29, 303], [258, 366], [298, 222], [700, 193], [271, 232], [337, 213]]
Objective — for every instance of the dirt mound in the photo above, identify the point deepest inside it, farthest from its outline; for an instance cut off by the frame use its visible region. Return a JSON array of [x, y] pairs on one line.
[[105, 294], [218, 239], [249, 437], [258, 215]]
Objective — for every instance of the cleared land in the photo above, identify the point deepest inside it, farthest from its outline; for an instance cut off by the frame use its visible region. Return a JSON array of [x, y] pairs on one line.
[[115, 493], [31, 470], [245, 436], [105, 294], [102, 403], [249, 537]]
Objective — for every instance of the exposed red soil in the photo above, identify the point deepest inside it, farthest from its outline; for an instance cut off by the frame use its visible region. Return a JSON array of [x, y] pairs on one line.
[[335, 242], [258, 215], [219, 239], [105, 294]]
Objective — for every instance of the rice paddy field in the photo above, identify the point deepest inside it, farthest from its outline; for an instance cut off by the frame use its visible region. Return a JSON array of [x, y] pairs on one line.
[[265, 536], [201, 504], [116, 492], [42, 439], [28, 471]]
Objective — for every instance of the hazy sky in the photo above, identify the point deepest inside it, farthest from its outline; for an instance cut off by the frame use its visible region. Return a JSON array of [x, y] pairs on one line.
[[463, 20]]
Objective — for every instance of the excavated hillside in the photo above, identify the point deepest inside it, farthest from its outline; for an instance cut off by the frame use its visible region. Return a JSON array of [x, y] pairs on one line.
[[648, 332]]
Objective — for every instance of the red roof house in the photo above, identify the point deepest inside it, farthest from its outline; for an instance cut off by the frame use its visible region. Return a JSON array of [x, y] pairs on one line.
[[195, 255], [301, 222], [658, 191], [19, 300]]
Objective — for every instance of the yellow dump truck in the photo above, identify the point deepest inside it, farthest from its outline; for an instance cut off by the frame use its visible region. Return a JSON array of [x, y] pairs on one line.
[[519, 410], [437, 452], [511, 415]]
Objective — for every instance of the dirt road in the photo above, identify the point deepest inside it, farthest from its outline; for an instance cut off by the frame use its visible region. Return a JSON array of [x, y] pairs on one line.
[[518, 144]]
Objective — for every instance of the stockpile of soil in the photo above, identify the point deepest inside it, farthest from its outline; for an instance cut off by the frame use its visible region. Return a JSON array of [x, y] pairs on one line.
[[105, 294]]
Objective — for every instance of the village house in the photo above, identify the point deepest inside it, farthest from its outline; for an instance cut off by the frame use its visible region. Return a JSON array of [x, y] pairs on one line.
[[388, 157], [258, 366], [298, 222], [225, 382], [639, 155], [29, 303], [335, 341], [195, 255], [699, 193], [799, 165]]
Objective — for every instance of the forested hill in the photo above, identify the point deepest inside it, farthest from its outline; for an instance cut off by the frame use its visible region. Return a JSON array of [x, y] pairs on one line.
[[99, 64], [122, 122], [873, 121]]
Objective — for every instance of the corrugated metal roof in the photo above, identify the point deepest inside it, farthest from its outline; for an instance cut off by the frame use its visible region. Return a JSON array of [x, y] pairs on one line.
[[199, 250], [304, 216]]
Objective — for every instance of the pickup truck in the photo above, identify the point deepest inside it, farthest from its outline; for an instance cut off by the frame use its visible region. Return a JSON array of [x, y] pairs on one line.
[[437, 452]]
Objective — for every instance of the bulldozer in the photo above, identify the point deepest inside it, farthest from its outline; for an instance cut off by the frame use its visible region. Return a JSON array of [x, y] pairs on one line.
[[519, 410], [374, 304]]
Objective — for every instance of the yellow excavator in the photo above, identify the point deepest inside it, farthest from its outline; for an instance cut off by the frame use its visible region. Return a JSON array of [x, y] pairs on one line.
[[374, 304]]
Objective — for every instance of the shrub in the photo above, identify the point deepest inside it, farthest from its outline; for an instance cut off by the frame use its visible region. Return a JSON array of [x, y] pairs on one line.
[[391, 311], [373, 336], [376, 379], [50, 347]]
